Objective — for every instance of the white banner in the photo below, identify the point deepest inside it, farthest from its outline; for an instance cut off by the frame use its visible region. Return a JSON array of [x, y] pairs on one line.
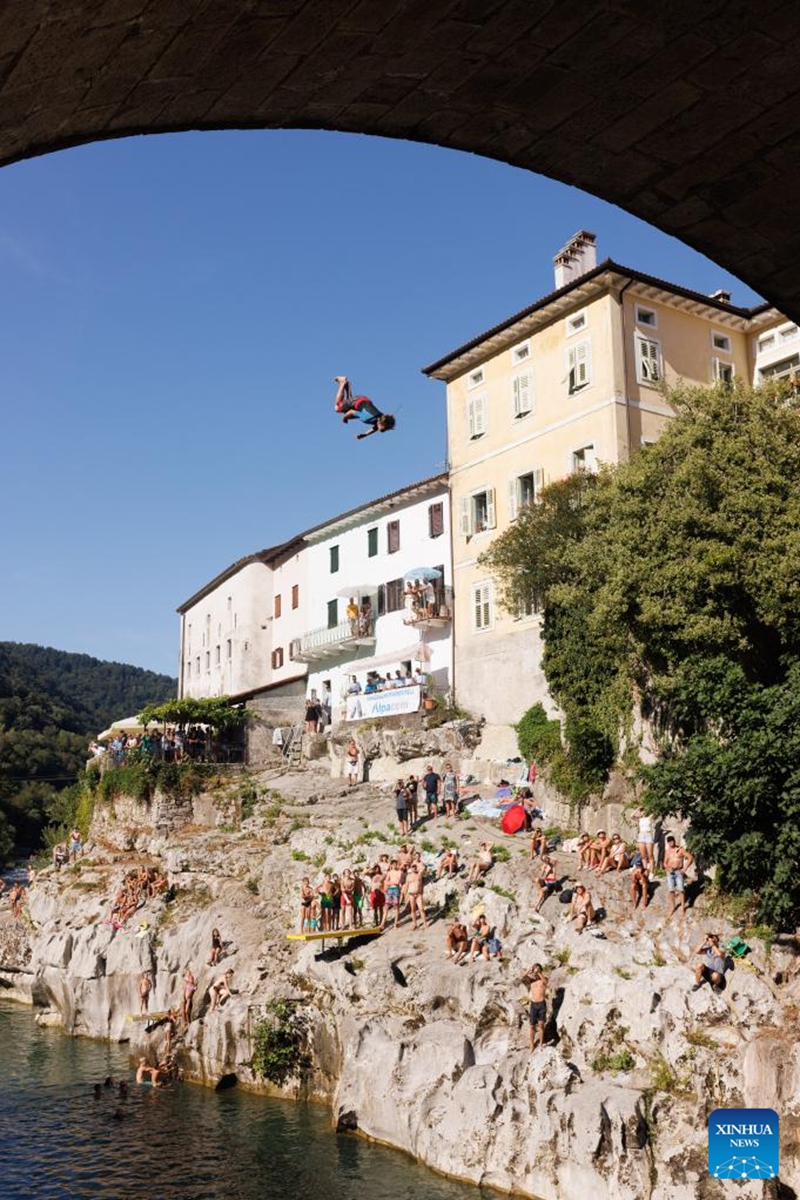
[[383, 704]]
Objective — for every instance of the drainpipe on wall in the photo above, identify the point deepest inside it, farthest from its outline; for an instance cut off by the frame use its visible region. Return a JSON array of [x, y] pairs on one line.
[[453, 591], [625, 364], [180, 663]]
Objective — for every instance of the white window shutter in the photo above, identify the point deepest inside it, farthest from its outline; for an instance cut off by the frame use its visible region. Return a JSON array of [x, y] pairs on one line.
[[487, 605], [572, 463], [491, 520], [513, 500], [471, 416], [522, 394], [481, 415], [538, 483], [572, 365], [465, 516], [477, 597], [591, 458]]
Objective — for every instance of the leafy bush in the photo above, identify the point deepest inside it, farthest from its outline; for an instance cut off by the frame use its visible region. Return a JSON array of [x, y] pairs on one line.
[[279, 1043], [538, 737]]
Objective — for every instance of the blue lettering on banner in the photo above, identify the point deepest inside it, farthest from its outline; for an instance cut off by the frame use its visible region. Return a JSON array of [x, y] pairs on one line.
[[383, 704], [733, 1130]]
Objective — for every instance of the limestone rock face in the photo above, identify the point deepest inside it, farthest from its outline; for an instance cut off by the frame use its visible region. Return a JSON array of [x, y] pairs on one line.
[[402, 1045]]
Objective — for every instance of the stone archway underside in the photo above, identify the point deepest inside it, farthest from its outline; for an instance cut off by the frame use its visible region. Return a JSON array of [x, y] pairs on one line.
[[686, 114]]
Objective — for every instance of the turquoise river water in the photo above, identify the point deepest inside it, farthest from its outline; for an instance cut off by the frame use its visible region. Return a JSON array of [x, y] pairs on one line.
[[58, 1142]]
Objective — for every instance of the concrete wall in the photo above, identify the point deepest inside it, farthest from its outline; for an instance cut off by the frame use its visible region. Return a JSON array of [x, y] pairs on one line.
[[281, 706]]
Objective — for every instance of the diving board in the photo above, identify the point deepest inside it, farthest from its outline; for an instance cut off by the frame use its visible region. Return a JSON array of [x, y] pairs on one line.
[[339, 935]]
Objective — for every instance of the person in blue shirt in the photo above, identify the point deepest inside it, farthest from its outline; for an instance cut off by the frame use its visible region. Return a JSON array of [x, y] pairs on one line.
[[360, 408]]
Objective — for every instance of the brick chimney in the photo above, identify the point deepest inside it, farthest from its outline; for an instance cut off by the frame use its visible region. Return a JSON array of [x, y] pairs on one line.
[[576, 258]]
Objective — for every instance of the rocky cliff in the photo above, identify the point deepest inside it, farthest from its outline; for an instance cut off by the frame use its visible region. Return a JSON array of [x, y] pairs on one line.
[[403, 1046]]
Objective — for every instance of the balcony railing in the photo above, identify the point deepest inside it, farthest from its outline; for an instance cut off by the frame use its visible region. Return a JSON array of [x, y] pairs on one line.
[[432, 613], [325, 642]]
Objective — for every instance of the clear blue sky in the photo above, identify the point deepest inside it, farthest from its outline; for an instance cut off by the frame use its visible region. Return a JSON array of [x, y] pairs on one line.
[[173, 310]]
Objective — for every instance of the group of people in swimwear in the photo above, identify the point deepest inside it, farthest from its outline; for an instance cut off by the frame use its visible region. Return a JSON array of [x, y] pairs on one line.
[[138, 886]]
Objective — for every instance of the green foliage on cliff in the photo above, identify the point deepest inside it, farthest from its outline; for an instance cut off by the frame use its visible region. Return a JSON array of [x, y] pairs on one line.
[[279, 1043], [671, 585], [51, 704]]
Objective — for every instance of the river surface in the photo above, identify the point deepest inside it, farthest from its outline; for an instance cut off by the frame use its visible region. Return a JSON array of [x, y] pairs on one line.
[[59, 1142]]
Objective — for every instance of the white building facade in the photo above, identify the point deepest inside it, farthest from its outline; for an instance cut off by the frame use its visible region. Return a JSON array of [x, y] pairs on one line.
[[361, 561], [284, 616]]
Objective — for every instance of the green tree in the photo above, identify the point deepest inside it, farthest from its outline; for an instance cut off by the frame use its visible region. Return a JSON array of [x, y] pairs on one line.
[[677, 593]]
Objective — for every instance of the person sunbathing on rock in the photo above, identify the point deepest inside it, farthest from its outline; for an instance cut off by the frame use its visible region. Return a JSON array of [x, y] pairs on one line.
[[581, 910], [220, 989], [457, 942], [448, 865], [640, 887], [546, 883]]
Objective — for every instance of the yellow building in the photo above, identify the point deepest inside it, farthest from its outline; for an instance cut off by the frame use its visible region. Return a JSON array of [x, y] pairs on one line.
[[574, 380]]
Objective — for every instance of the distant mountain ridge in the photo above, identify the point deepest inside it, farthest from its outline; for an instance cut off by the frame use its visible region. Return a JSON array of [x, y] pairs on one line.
[[94, 690], [51, 703]]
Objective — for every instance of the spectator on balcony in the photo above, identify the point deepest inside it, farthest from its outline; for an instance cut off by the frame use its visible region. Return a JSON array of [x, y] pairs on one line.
[[429, 598], [409, 604], [351, 612], [353, 687], [365, 618]]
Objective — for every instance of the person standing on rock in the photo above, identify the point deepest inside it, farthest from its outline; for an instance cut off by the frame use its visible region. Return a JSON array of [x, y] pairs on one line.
[[537, 1012], [412, 788], [216, 948], [432, 784], [352, 762], [394, 888], [306, 901], [377, 897], [189, 989], [415, 883], [450, 791], [145, 987], [645, 840], [401, 806], [676, 862]]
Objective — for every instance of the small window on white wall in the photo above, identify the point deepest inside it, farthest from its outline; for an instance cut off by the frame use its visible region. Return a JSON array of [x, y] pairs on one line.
[[478, 415], [721, 341], [721, 371], [475, 378], [648, 361], [482, 606], [788, 333], [765, 342], [579, 367], [522, 393], [477, 512], [521, 353], [584, 459], [646, 316], [577, 323], [524, 491]]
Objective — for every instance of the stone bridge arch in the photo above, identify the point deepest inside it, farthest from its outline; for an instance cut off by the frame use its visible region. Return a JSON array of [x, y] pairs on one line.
[[686, 115]]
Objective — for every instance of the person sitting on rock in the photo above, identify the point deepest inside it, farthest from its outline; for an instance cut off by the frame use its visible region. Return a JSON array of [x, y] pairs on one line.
[[546, 883], [481, 865], [220, 989], [584, 851], [457, 942], [484, 942], [598, 848], [640, 887], [581, 910], [615, 857], [713, 965], [448, 865], [538, 842]]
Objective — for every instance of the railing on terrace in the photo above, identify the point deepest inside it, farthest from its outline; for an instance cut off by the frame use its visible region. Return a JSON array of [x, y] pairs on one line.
[[318, 643], [438, 611]]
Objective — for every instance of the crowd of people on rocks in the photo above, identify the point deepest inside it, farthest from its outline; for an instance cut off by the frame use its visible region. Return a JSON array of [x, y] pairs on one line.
[[139, 885]]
